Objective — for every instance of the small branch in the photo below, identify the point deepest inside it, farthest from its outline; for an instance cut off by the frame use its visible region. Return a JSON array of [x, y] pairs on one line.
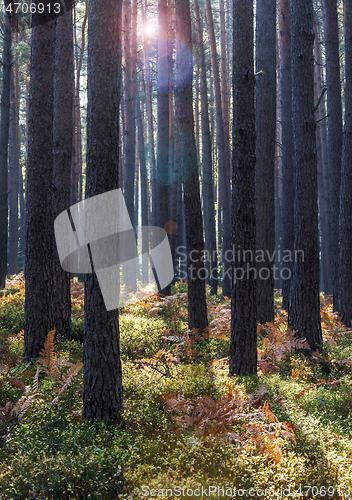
[[259, 73], [321, 119], [319, 100]]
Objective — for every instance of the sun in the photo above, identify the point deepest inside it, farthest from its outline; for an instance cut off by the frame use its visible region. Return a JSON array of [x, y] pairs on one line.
[[151, 27]]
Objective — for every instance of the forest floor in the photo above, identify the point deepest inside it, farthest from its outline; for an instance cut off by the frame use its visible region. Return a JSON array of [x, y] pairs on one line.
[[189, 431]]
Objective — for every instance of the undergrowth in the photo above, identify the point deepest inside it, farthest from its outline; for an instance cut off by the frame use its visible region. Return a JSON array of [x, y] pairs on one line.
[[186, 423]]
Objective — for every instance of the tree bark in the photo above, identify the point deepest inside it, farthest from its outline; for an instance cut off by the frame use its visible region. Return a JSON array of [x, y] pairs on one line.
[[163, 175], [224, 177], [334, 109], [63, 139], [265, 155], [4, 140], [287, 143], [102, 392], [207, 165], [39, 224], [345, 229], [243, 345], [305, 304], [14, 167], [197, 306]]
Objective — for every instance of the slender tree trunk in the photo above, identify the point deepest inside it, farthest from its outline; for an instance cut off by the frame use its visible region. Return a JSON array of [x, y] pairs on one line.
[[4, 140], [224, 178], [325, 168], [163, 175], [243, 345], [102, 392], [197, 305], [225, 93], [130, 136], [76, 169], [265, 154], [324, 223], [63, 138], [345, 230], [144, 179], [287, 144], [14, 166], [333, 84], [39, 224], [208, 181], [305, 305], [149, 108]]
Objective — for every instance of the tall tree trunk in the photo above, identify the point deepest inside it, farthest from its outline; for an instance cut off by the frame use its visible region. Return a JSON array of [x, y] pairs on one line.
[[130, 136], [39, 224], [333, 83], [345, 230], [305, 305], [76, 169], [4, 140], [287, 144], [14, 166], [225, 92], [163, 174], [63, 138], [243, 345], [197, 305], [224, 178], [207, 166], [265, 154], [324, 202], [149, 107], [102, 392], [144, 180]]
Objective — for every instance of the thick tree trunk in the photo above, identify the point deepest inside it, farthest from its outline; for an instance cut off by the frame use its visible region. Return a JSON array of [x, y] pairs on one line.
[[333, 83], [4, 140], [63, 138], [265, 154], [287, 143], [102, 392], [345, 230], [305, 305], [243, 346], [197, 306], [39, 224], [224, 169], [207, 166]]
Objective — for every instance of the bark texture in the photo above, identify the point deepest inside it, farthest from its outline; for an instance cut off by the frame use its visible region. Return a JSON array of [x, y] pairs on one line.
[[102, 392], [305, 304], [334, 108], [243, 345], [345, 230], [63, 139], [197, 306], [39, 223], [4, 139], [287, 142], [265, 155]]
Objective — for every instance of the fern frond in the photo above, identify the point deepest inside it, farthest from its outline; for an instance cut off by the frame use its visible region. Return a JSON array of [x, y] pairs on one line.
[[67, 380], [47, 353]]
